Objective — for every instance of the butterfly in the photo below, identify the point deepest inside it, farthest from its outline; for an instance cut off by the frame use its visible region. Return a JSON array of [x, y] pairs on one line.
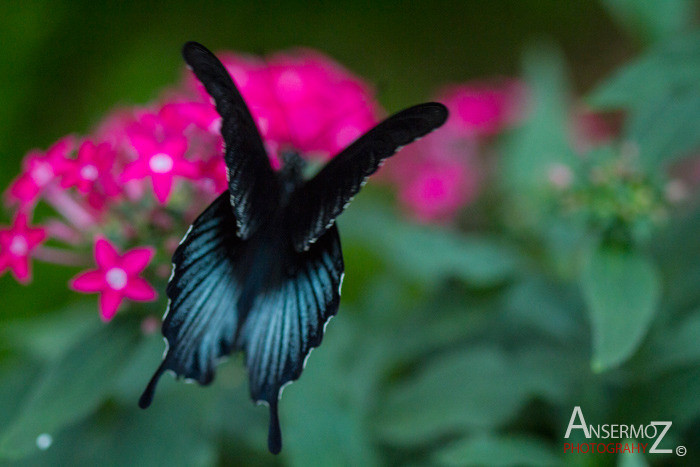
[[260, 270]]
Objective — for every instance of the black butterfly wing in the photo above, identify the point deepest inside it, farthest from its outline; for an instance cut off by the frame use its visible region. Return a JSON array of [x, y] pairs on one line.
[[253, 186], [314, 207], [201, 322], [214, 311], [288, 318]]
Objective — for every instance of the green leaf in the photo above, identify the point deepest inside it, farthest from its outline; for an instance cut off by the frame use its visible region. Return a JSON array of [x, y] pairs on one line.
[[671, 67], [666, 127], [541, 142], [651, 19], [48, 336], [621, 289], [671, 396], [544, 307], [428, 254], [17, 375], [497, 451], [70, 389], [464, 390], [322, 415], [171, 432], [676, 346], [552, 373]]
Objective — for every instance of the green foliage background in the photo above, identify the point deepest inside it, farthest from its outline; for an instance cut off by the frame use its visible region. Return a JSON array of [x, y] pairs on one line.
[[461, 346]]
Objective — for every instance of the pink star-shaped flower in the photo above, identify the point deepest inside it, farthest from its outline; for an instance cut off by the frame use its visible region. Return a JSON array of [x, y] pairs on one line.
[[301, 100], [116, 277], [16, 245], [91, 172], [162, 161], [40, 169]]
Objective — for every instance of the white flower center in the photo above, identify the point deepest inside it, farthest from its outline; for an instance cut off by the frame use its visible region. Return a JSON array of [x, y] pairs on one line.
[[161, 163], [42, 173], [89, 172], [116, 278], [19, 246]]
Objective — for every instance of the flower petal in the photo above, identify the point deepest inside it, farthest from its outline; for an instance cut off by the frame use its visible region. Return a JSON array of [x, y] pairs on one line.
[[162, 185], [140, 290], [35, 237], [89, 281], [20, 269], [144, 145], [187, 169], [21, 222], [134, 261], [24, 189], [134, 171], [105, 254], [109, 304], [175, 147]]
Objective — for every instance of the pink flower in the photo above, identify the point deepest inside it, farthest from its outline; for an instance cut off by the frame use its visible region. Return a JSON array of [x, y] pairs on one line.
[[483, 109], [40, 169], [213, 174], [16, 246], [183, 114], [91, 172], [440, 174], [303, 101], [437, 190], [162, 161], [116, 277]]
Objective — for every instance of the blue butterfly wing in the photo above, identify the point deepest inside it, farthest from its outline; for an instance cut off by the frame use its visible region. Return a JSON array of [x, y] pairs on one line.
[[287, 319], [201, 322], [221, 302], [253, 187]]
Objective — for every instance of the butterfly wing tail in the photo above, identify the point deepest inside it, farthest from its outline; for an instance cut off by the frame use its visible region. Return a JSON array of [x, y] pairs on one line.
[[288, 319], [201, 322]]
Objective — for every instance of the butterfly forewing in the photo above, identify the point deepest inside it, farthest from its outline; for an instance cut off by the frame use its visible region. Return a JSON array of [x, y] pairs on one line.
[[314, 206], [253, 187]]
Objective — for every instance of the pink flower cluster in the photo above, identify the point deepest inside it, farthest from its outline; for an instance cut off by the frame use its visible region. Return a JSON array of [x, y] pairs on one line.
[[137, 181], [439, 175], [145, 172], [301, 101]]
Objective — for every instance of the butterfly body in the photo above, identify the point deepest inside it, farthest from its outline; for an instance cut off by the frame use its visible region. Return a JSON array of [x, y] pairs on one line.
[[260, 269]]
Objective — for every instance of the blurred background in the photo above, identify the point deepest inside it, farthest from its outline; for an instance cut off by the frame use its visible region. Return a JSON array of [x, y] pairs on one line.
[[567, 276]]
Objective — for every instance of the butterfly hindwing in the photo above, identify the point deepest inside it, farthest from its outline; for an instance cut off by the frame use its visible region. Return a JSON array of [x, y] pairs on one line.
[[287, 320], [201, 322], [253, 187], [314, 206]]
